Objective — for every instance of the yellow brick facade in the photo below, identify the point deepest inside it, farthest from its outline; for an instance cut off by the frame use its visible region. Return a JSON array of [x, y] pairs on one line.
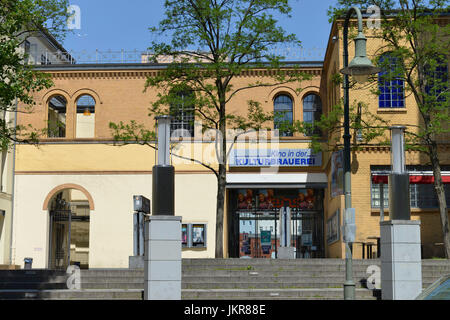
[[367, 218], [126, 170]]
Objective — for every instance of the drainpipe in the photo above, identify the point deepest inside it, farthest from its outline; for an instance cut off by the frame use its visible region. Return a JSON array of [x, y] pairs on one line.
[[13, 187]]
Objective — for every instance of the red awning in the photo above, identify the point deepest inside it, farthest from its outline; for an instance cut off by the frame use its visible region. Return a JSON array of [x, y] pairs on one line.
[[413, 178]]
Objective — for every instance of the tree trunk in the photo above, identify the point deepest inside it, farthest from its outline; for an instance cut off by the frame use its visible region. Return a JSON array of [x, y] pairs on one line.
[[222, 174], [440, 192], [221, 187]]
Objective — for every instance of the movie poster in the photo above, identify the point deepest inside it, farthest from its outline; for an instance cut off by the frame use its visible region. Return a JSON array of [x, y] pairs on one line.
[[246, 199], [245, 244], [337, 174], [265, 199], [266, 241], [184, 235], [198, 235], [306, 199], [333, 228], [307, 239]]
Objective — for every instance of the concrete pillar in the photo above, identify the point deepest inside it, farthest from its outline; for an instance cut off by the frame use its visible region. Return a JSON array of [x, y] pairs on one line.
[[162, 258], [285, 250], [401, 261]]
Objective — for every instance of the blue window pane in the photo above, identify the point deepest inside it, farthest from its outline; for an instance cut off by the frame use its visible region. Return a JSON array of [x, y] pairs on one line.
[[391, 88]]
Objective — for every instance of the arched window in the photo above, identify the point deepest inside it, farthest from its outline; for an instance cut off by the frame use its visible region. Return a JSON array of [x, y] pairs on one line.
[[390, 83], [183, 112], [85, 117], [312, 111], [283, 114], [57, 108]]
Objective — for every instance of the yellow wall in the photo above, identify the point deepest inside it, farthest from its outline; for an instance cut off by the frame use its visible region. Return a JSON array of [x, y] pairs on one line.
[[367, 219]]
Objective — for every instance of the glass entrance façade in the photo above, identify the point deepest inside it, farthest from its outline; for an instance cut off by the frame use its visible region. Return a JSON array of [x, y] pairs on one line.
[[254, 222]]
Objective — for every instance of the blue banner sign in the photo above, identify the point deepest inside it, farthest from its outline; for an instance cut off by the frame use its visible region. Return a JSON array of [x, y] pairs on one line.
[[273, 158]]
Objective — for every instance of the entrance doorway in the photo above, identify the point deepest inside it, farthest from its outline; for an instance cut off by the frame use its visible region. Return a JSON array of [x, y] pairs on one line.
[[69, 230], [255, 223]]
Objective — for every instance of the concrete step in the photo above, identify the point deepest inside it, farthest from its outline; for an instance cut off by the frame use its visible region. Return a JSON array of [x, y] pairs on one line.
[[32, 285], [265, 285], [209, 294], [33, 273], [118, 279], [255, 294], [212, 279], [235, 261], [227, 285], [237, 275], [96, 294], [33, 279], [113, 285]]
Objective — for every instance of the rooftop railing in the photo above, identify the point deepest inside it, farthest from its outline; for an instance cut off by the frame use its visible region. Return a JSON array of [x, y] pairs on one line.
[[141, 56]]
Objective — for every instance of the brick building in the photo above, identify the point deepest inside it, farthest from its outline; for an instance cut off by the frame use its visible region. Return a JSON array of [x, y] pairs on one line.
[[74, 192]]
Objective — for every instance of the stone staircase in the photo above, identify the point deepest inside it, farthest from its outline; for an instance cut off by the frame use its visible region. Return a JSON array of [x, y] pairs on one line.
[[230, 279]]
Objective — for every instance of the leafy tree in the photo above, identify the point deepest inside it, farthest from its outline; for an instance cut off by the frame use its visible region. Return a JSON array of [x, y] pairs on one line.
[[212, 43], [416, 35], [18, 80]]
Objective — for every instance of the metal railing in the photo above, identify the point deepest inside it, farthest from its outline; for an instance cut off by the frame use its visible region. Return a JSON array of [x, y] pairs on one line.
[[141, 56]]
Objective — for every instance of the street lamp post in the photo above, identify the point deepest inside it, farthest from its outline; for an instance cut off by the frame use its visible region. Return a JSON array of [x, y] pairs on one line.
[[360, 68]]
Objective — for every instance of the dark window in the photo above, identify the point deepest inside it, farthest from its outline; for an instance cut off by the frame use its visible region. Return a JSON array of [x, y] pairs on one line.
[[436, 77], [390, 83], [57, 117], [27, 47], [283, 114], [312, 111], [183, 113], [45, 60]]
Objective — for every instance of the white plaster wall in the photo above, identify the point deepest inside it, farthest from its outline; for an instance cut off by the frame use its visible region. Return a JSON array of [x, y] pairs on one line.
[[111, 229]]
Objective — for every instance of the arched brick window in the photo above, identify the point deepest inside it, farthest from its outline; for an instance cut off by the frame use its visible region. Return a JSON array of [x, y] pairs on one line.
[[85, 116], [57, 108], [283, 114]]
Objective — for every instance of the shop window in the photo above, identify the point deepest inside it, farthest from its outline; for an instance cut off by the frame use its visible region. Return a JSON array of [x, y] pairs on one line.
[[183, 112], [57, 108], [312, 112], [85, 117], [421, 195], [263, 218], [283, 114], [390, 83]]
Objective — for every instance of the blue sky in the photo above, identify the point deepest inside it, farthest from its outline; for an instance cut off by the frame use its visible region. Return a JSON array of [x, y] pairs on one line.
[[115, 25]]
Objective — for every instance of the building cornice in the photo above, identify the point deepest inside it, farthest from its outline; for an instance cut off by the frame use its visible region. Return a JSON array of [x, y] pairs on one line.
[[145, 70]]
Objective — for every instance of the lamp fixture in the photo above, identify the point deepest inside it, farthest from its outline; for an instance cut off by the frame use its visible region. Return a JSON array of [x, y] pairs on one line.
[[360, 68], [87, 112]]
